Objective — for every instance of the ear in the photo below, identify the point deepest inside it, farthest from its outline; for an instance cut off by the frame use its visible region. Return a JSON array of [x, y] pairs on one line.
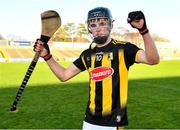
[[111, 25]]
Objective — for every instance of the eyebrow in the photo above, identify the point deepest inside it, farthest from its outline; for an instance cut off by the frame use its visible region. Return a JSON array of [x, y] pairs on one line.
[[98, 19]]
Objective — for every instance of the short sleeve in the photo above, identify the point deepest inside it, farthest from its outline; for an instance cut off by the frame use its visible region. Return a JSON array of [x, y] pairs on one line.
[[79, 63], [130, 53]]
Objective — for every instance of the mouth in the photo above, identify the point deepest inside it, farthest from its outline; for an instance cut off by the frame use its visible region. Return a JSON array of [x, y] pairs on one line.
[[99, 35]]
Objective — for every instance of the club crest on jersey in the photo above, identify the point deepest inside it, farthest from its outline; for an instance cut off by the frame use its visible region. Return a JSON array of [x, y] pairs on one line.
[[110, 56], [101, 73]]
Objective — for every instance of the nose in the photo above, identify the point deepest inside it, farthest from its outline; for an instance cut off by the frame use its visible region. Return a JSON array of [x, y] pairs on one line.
[[98, 29]]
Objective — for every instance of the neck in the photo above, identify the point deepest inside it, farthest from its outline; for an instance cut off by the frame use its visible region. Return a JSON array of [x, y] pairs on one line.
[[106, 43]]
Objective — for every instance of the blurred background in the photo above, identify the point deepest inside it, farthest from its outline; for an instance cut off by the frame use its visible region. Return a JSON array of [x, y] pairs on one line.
[[21, 26], [47, 103]]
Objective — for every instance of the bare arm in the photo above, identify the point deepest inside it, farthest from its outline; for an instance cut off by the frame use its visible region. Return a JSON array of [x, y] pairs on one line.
[[62, 73], [150, 54]]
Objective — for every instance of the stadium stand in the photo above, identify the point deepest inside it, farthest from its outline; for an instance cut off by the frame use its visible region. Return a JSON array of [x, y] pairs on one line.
[[3, 55], [26, 53], [70, 51]]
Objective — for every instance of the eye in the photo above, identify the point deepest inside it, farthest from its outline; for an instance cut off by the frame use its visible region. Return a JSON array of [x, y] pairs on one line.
[[102, 24], [92, 25]]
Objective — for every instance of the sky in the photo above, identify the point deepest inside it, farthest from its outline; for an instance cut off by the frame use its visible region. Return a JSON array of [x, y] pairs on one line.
[[22, 17]]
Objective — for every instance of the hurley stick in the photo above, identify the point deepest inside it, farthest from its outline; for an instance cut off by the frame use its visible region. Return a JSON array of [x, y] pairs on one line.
[[50, 21]]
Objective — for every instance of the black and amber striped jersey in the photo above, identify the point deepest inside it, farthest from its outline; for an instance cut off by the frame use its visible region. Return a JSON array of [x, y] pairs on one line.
[[108, 83]]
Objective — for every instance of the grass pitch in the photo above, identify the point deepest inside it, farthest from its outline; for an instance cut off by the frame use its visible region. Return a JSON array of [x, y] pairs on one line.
[[47, 103]]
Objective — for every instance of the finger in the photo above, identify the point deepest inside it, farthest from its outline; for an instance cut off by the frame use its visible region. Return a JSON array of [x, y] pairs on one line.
[[39, 41], [39, 44], [38, 47]]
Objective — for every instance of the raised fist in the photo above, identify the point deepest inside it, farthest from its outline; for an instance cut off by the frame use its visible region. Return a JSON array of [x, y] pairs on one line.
[[137, 20]]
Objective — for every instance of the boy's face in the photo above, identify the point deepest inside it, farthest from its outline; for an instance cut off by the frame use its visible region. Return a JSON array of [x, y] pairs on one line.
[[99, 27]]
